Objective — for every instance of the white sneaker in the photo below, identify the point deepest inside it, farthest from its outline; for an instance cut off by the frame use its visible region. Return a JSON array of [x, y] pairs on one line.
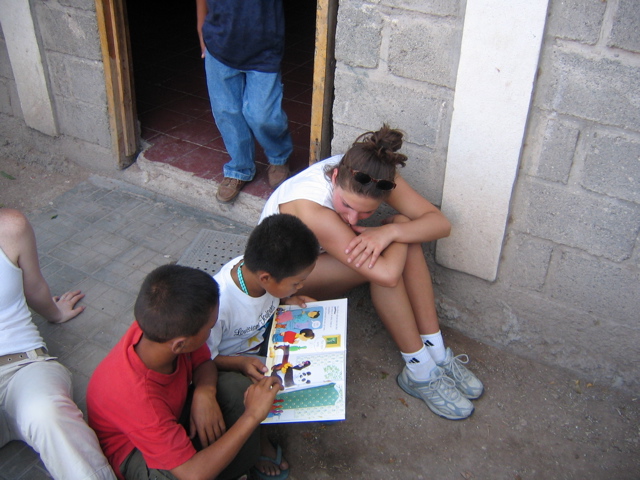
[[466, 382], [439, 393]]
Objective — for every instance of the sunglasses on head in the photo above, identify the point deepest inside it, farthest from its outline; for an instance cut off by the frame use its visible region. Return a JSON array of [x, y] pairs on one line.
[[365, 179]]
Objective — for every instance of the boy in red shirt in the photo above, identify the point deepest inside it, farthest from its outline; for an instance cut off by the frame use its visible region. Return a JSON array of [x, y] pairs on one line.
[[138, 393]]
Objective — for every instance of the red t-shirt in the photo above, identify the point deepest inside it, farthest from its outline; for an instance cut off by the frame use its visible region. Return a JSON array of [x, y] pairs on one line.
[[131, 406]]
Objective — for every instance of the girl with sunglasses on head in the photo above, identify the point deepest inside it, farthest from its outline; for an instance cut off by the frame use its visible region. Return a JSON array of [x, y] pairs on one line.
[[330, 197]]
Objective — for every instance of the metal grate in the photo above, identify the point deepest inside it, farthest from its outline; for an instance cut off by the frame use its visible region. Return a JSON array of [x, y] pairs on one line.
[[210, 250]]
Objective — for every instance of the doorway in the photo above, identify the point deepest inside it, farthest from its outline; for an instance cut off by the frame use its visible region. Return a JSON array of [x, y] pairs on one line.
[[172, 101]]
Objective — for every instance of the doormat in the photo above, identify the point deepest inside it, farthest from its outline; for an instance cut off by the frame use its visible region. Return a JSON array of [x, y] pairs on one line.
[[211, 250]]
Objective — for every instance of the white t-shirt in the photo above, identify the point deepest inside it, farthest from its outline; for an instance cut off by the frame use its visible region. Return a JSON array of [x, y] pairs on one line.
[[310, 184], [242, 319], [18, 333]]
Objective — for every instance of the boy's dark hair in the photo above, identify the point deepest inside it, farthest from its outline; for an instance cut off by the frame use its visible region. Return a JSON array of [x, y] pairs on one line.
[[281, 245], [175, 301]]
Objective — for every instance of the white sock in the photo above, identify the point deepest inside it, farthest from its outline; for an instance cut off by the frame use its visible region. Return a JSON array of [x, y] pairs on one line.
[[420, 364], [435, 345]]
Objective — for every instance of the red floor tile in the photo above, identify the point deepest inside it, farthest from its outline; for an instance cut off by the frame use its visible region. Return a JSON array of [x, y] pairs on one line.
[[168, 149], [297, 112], [162, 120], [190, 105], [259, 186], [195, 131], [200, 162]]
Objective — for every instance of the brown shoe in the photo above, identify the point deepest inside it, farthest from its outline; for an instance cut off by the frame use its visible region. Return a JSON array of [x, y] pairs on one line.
[[229, 189], [277, 174]]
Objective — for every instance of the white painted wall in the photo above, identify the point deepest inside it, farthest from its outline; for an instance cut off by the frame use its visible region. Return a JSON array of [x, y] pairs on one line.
[[499, 57], [26, 63]]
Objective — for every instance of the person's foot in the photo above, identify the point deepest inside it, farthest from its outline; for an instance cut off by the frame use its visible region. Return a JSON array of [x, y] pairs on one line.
[[439, 393], [454, 368], [271, 463], [277, 174], [229, 189]]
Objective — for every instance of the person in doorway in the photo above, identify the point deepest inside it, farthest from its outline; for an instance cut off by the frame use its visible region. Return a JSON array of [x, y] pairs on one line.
[[331, 196], [242, 43], [36, 404]]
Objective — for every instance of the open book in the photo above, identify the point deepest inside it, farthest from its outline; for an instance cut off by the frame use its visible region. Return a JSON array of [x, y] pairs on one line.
[[308, 351]]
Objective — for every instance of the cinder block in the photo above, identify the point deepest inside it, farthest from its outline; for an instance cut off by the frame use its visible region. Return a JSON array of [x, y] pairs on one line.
[[84, 121], [579, 20], [344, 135], [625, 32], [425, 50], [612, 167], [596, 285], [598, 89], [525, 261], [358, 34], [89, 5], [557, 150], [70, 31], [77, 78], [596, 224], [440, 8], [418, 112], [425, 171]]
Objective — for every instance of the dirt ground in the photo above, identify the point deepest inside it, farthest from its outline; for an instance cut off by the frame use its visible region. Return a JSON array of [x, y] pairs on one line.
[[27, 186], [533, 422]]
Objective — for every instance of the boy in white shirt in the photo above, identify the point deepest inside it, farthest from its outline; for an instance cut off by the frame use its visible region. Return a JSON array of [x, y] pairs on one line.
[[280, 254]]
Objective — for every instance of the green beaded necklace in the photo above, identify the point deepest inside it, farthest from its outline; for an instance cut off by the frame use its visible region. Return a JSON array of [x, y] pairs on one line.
[[243, 285]]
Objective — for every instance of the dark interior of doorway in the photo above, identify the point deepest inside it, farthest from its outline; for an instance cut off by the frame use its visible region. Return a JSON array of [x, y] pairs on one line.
[[171, 91]]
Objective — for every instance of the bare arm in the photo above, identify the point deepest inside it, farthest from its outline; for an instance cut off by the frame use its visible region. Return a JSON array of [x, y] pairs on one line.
[[206, 419], [421, 222], [252, 367], [335, 236], [210, 461], [300, 300], [18, 241], [201, 13]]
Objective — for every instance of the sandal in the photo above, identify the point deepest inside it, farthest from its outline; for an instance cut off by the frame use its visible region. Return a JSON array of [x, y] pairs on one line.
[[276, 461]]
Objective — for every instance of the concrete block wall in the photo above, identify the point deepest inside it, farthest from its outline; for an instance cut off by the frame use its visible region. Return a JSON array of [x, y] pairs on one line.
[[568, 285], [70, 47], [382, 48]]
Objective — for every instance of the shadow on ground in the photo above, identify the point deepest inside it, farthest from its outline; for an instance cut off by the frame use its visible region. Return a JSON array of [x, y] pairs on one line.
[[103, 236]]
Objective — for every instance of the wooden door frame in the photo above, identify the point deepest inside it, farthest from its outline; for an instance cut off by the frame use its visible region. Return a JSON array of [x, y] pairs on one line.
[[118, 72], [323, 75], [113, 27]]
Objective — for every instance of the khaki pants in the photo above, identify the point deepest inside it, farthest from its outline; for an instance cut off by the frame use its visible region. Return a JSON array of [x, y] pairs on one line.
[[36, 407]]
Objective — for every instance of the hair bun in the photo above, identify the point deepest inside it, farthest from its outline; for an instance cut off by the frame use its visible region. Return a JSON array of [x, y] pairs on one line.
[[385, 143]]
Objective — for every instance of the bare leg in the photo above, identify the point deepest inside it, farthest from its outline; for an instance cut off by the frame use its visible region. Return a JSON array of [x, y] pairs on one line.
[[394, 309], [330, 279], [420, 290]]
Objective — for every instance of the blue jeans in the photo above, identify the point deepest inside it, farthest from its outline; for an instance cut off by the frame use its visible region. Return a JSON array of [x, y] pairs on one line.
[[247, 105]]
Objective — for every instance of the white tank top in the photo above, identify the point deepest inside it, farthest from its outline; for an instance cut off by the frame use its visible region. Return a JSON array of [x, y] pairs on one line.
[[18, 333], [310, 184]]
